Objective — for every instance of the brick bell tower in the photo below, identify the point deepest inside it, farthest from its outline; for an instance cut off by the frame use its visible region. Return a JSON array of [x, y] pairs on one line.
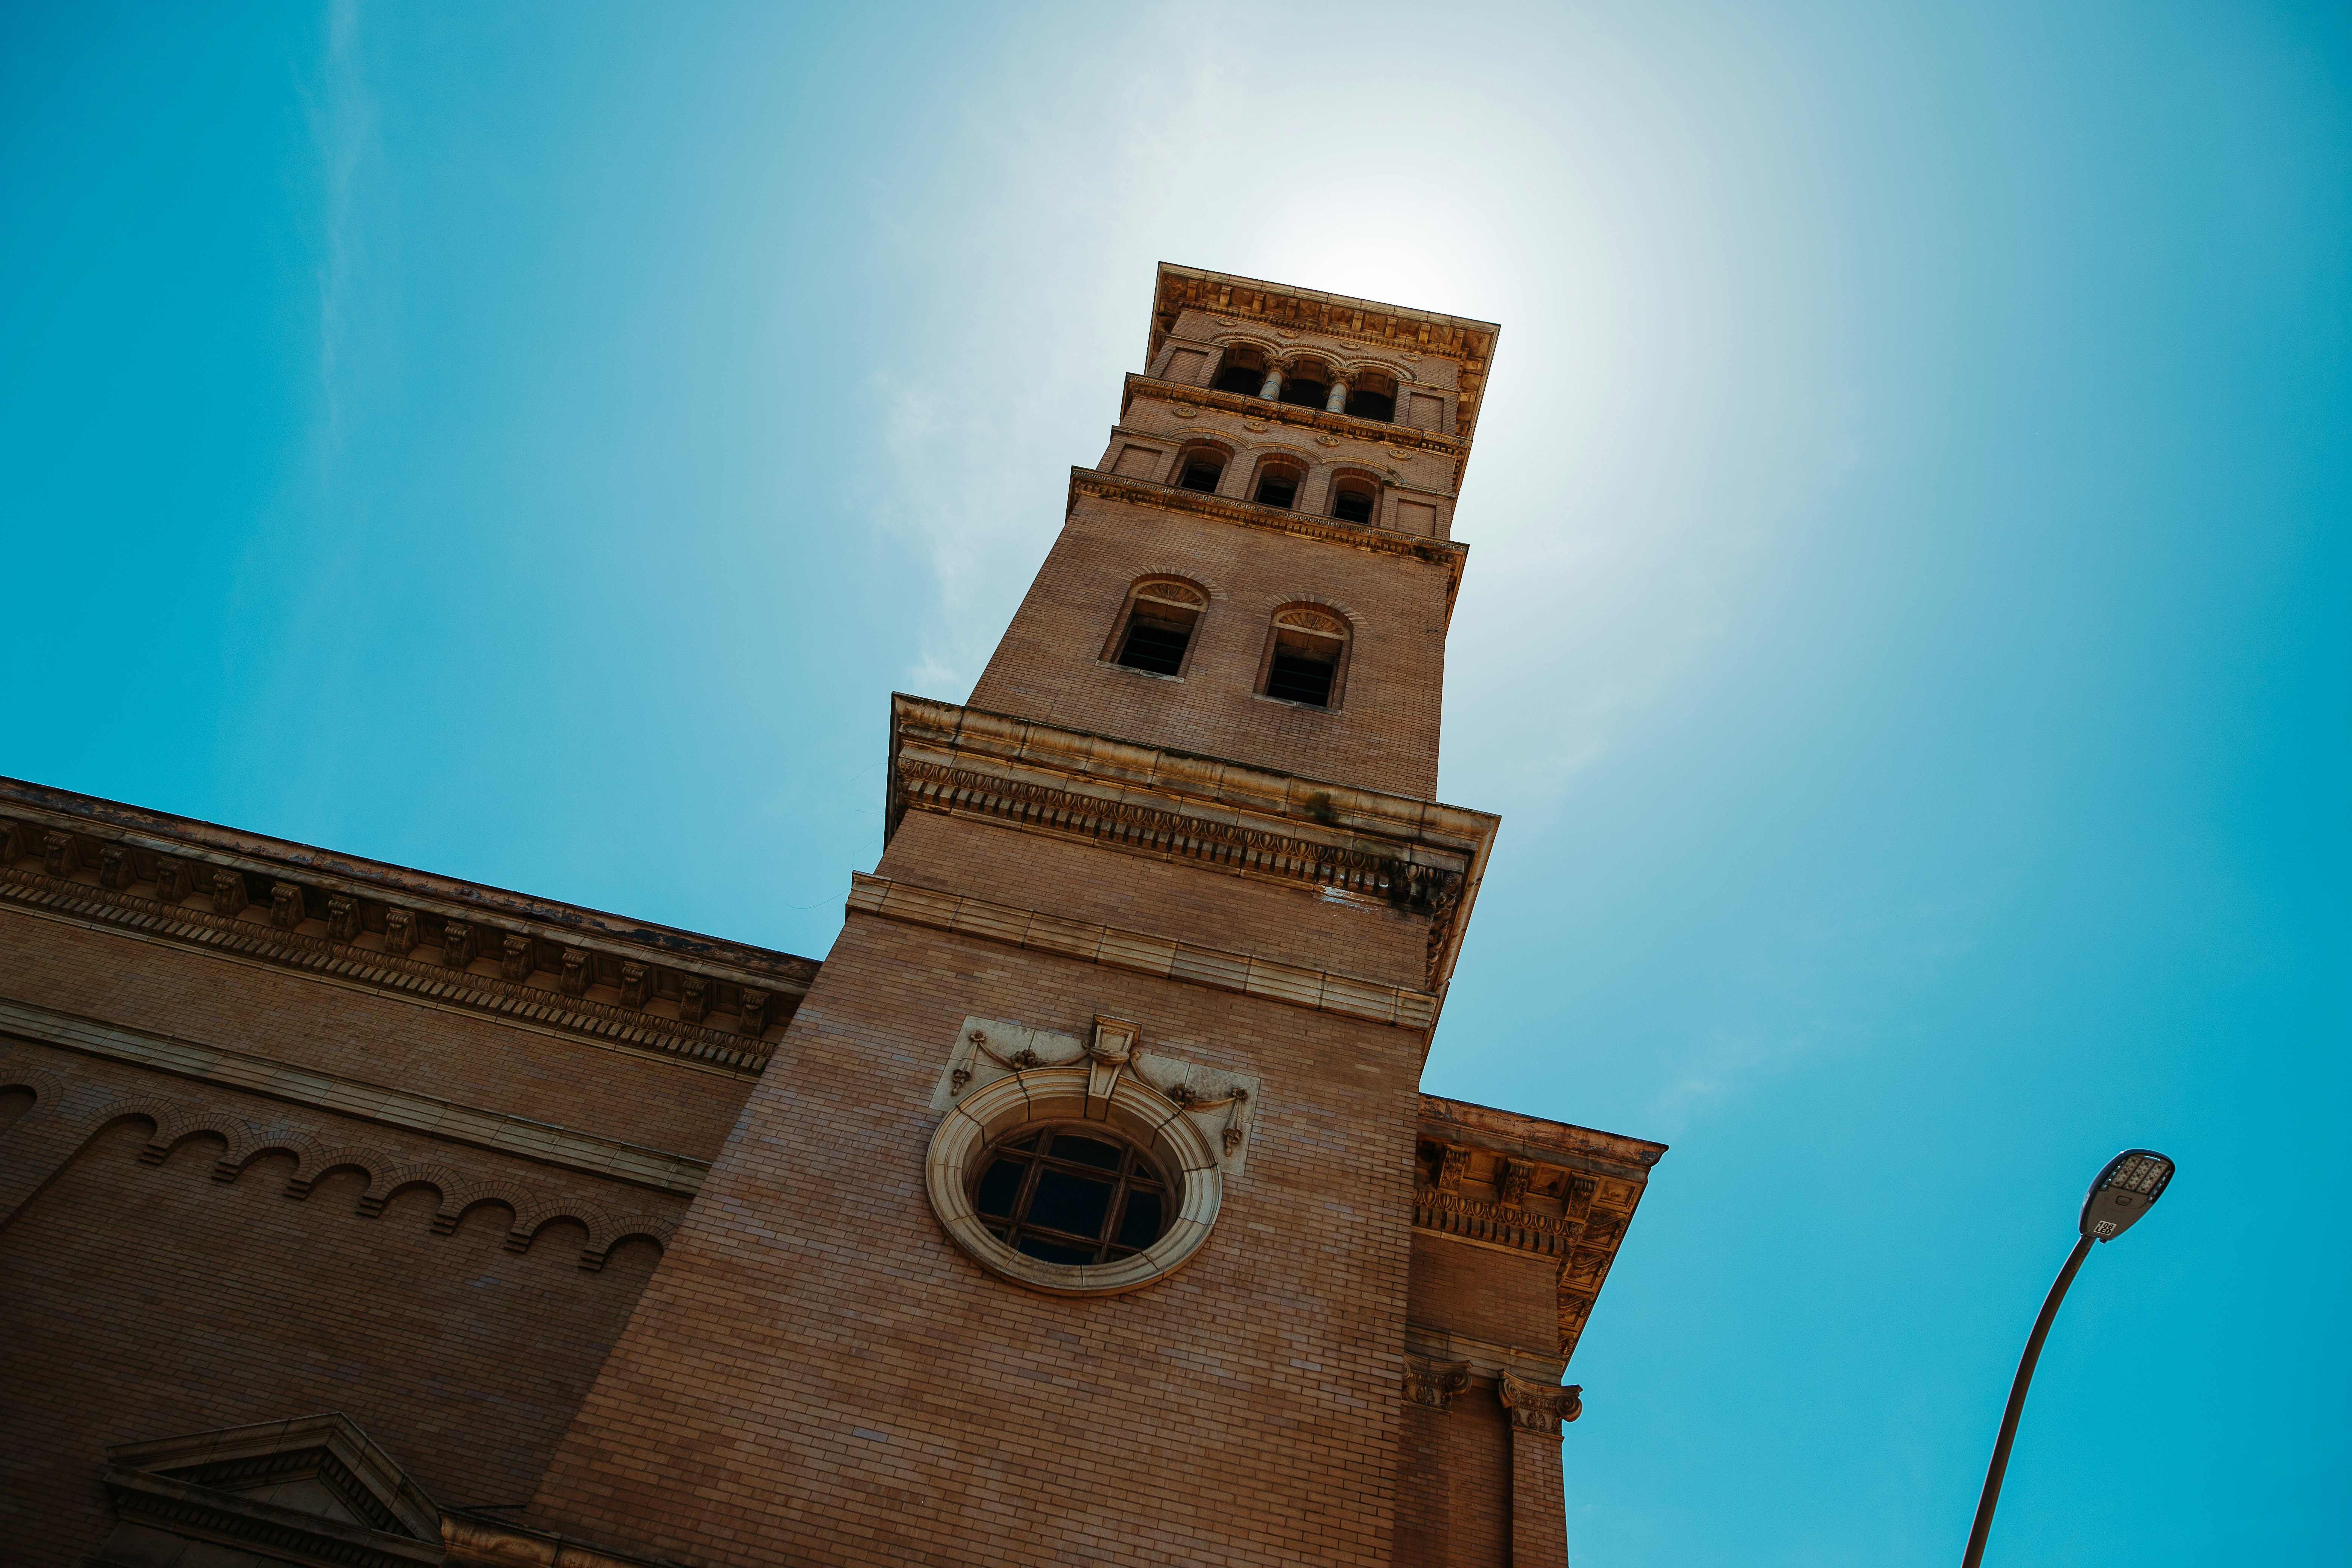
[[1089, 1209]]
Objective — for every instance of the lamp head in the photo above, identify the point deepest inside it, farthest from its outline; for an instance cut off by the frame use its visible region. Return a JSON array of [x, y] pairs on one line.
[[2125, 1189]]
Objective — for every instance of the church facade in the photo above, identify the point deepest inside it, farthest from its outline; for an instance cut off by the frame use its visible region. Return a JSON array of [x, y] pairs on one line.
[[1081, 1204]]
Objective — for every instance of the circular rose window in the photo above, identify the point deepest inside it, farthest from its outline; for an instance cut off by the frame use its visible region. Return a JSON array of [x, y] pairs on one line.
[[1074, 1197]]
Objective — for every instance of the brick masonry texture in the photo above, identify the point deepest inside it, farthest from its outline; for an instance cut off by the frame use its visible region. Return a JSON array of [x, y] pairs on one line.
[[1384, 735], [146, 1299], [1242, 1413]]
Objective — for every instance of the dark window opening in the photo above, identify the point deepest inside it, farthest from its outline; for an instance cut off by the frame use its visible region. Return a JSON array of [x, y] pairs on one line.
[[1156, 635], [1305, 665], [1277, 488], [1241, 378], [1297, 678], [1352, 506], [1200, 473], [1072, 1196], [1305, 393], [1377, 405]]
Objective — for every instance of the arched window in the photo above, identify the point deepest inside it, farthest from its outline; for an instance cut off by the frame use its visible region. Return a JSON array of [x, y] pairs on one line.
[[1242, 370], [1200, 469], [1278, 480], [1307, 384], [1355, 498], [1372, 395], [1155, 632], [1307, 657]]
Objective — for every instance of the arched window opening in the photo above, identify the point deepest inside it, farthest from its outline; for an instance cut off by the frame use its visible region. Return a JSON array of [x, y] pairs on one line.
[[1278, 484], [1354, 499], [1304, 664], [1372, 397], [1243, 370], [1161, 618], [1308, 386], [1200, 469]]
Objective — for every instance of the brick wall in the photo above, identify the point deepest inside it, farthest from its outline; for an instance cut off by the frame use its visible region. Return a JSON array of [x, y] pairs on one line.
[[1384, 735], [906, 1405], [366, 1034], [147, 1300], [1509, 1299]]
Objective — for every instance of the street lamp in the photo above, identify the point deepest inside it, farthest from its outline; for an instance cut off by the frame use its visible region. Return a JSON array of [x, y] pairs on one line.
[[2127, 1189]]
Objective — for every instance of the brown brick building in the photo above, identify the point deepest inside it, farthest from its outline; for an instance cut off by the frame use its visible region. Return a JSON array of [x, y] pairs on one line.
[[1082, 1204]]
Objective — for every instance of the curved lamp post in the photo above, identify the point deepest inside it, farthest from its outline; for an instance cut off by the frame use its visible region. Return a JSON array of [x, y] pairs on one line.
[[2125, 1189]]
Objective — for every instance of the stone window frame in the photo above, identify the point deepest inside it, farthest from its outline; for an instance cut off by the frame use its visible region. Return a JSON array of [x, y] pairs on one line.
[[1062, 1094]]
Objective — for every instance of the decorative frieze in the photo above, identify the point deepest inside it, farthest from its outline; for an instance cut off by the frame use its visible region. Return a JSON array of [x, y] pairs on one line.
[[402, 1109], [1418, 856], [1563, 1194], [155, 909], [1452, 1213]]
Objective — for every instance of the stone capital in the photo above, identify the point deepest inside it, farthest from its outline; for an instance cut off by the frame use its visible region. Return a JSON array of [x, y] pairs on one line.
[[1539, 1408]]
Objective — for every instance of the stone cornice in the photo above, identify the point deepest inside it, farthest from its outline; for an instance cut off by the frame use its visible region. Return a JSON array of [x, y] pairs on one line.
[[1291, 416], [1143, 954], [1419, 856], [154, 878], [1469, 343], [1448, 555], [1583, 1148], [1544, 1189], [113, 821]]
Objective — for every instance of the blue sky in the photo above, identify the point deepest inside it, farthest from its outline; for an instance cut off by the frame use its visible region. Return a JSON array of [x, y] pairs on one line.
[[529, 442]]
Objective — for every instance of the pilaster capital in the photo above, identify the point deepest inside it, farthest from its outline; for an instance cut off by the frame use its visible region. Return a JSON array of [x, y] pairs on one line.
[[1539, 1408], [1434, 1383]]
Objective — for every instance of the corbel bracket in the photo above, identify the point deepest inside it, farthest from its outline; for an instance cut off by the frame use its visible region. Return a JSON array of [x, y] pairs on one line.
[[1108, 1051]]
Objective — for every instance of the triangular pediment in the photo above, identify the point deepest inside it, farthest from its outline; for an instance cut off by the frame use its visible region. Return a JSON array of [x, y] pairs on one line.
[[292, 1488]]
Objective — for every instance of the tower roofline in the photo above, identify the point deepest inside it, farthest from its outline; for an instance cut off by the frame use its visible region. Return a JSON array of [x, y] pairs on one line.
[[1464, 339]]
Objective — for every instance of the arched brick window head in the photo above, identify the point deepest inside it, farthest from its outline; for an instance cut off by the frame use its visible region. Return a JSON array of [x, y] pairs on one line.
[[1278, 484], [1243, 370], [1354, 499], [1308, 385], [1157, 630], [1199, 469], [1308, 653], [1372, 397]]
